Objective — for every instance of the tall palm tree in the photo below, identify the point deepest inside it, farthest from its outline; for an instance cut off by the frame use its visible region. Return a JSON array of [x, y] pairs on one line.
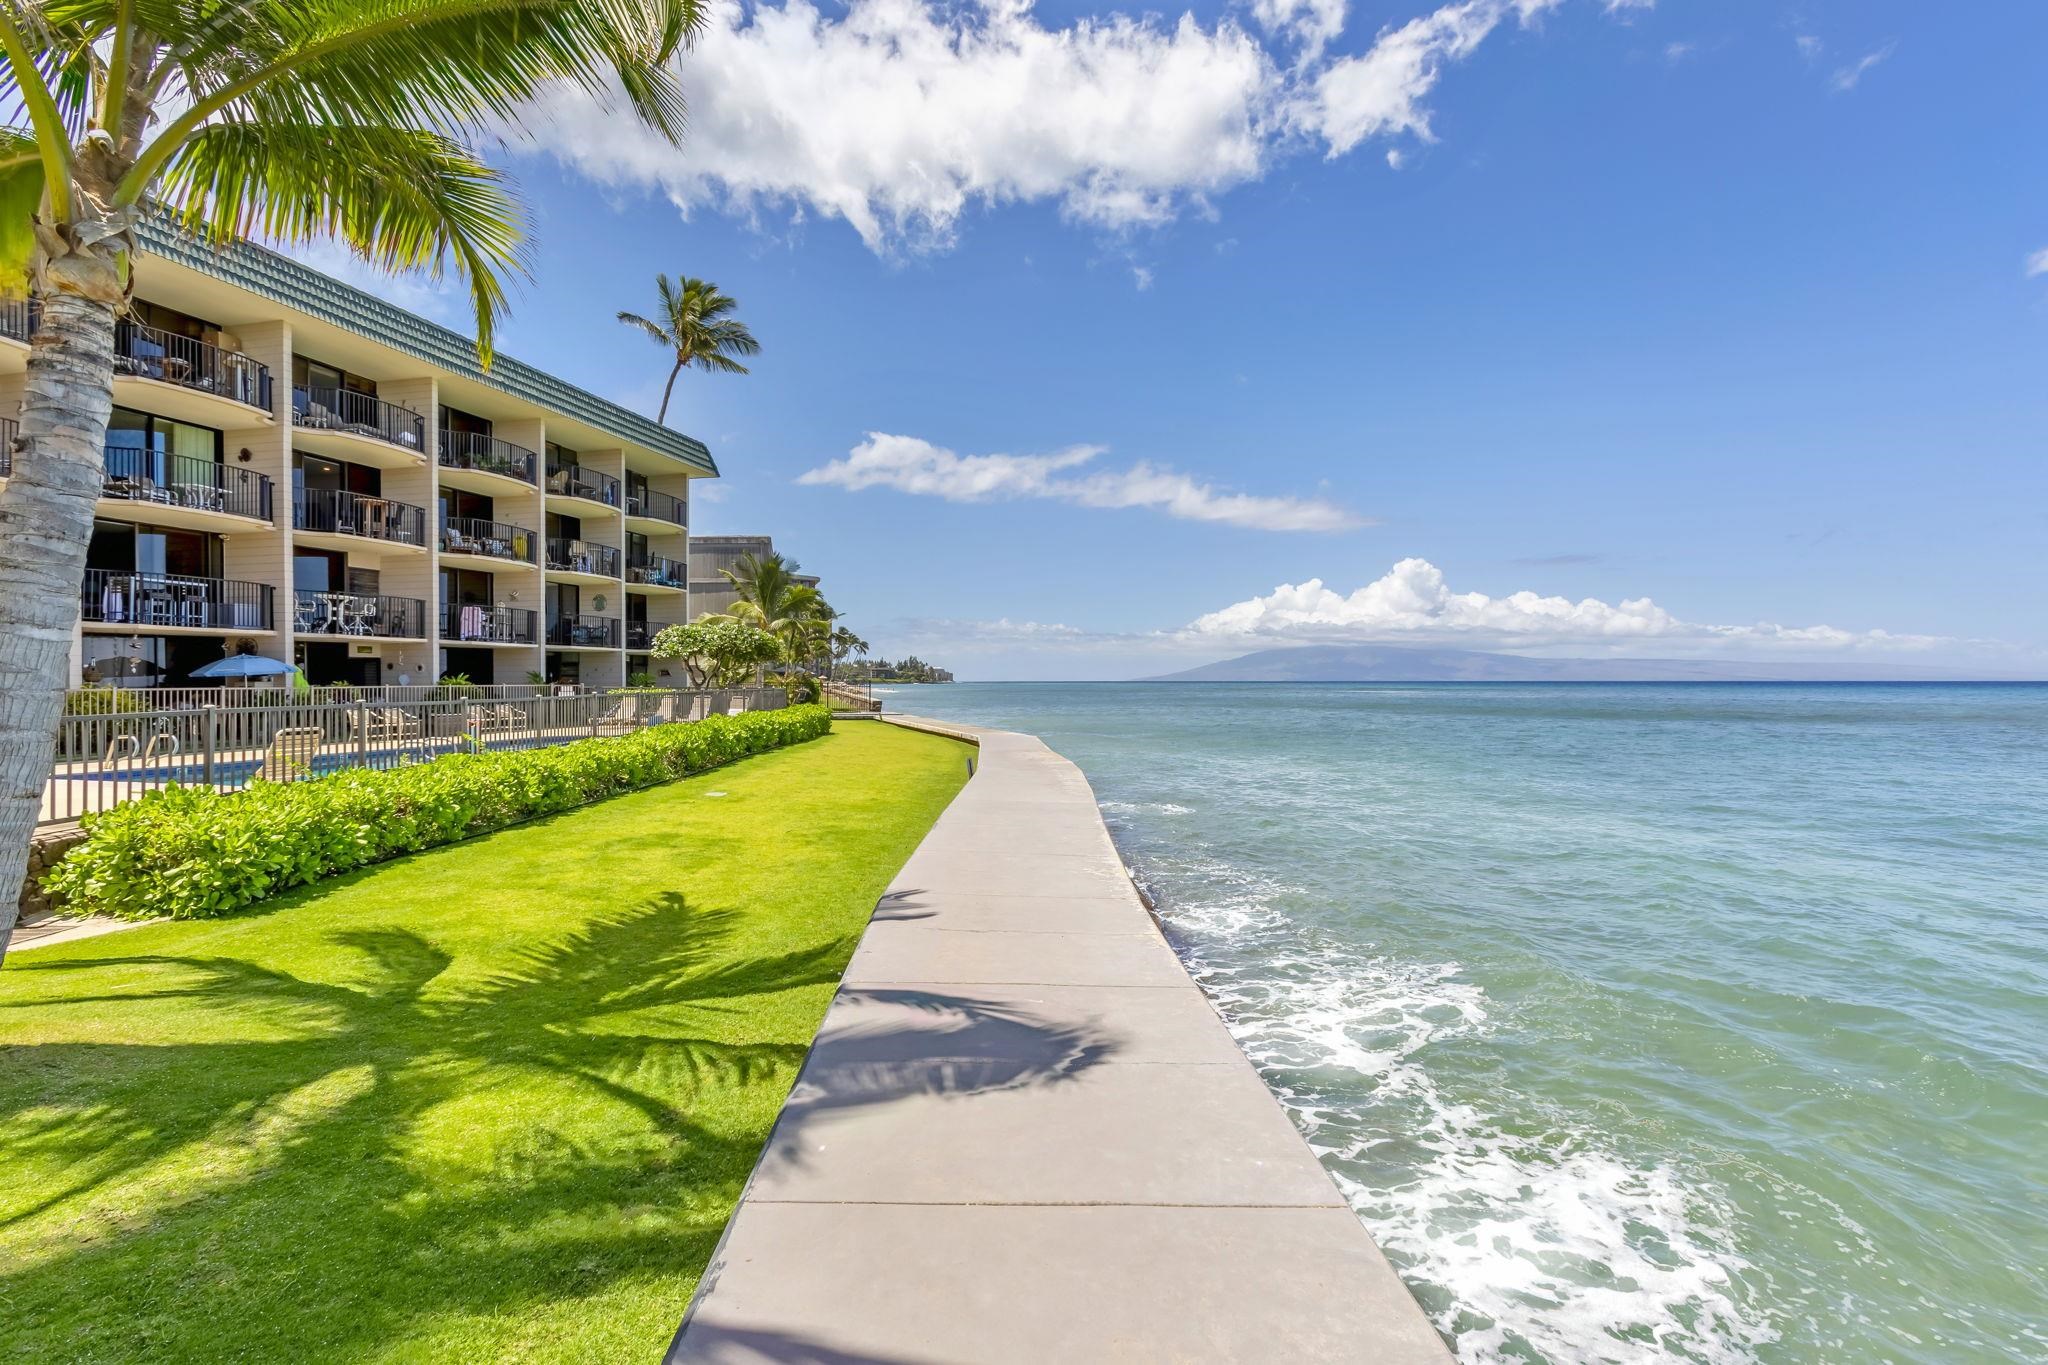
[[771, 599], [297, 120], [694, 321], [844, 645]]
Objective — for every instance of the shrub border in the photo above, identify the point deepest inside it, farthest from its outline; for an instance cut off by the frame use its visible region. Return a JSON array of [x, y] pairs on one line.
[[189, 853]]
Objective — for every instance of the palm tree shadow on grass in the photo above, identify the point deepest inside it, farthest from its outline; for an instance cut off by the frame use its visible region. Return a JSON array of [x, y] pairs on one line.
[[307, 1197]]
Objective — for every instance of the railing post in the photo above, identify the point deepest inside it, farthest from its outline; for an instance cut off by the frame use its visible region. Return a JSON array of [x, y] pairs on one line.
[[362, 733], [212, 745]]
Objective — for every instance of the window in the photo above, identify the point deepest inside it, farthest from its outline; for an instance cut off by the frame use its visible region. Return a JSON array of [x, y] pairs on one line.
[[157, 450], [126, 548], [313, 374], [455, 419], [318, 570]]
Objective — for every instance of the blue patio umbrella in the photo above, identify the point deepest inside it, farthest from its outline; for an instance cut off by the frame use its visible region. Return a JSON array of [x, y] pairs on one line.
[[244, 666]]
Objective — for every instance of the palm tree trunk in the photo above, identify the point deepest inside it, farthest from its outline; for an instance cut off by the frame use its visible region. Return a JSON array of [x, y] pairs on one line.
[[668, 389], [45, 521]]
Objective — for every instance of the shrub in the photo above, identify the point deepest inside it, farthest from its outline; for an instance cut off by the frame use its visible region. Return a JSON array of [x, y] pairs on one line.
[[95, 699], [187, 853]]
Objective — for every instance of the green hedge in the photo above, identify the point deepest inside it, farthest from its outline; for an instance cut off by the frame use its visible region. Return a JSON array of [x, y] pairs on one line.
[[187, 853]]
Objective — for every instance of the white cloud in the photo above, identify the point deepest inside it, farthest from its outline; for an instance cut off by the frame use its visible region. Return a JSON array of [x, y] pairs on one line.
[[1678, 52], [1311, 23], [1809, 46], [1380, 92], [1846, 78], [898, 116], [1142, 275], [1412, 601], [2037, 264], [910, 465]]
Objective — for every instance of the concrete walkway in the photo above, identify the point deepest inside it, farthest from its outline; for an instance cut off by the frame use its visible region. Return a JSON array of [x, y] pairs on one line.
[[1024, 1135]]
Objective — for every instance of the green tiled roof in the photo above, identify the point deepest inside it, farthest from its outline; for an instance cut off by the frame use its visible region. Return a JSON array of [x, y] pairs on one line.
[[280, 278]]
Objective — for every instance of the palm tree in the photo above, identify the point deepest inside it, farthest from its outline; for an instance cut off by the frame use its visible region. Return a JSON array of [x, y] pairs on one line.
[[300, 121], [844, 645], [771, 599], [693, 322]]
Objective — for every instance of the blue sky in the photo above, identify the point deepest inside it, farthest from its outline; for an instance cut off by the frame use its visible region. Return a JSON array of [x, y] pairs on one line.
[[1722, 305]]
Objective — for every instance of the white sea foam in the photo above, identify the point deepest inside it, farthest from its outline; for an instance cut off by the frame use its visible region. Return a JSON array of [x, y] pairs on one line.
[[1546, 1245], [1145, 808]]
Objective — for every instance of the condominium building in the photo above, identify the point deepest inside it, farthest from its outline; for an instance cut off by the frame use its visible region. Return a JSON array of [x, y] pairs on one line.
[[711, 556], [297, 468]]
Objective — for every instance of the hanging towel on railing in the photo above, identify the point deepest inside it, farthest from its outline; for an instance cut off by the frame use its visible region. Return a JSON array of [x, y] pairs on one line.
[[472, 623]]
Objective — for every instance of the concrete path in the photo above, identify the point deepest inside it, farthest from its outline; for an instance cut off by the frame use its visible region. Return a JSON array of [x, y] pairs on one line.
[[1024, 1135]]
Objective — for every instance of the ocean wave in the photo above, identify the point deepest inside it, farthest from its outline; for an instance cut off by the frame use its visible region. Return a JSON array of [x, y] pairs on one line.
[[1524, 1241], [1144, 808]]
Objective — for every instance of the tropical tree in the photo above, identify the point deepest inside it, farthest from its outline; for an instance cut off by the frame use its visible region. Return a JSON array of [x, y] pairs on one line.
[[771, 599], [695, 322], [717, 651], [846, 645], [296, 120]]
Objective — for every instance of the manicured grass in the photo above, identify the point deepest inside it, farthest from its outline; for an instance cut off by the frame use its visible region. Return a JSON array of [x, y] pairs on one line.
[[491, 1102]]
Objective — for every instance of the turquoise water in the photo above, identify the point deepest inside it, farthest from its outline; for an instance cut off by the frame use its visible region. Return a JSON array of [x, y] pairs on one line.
[[1638, 1022]]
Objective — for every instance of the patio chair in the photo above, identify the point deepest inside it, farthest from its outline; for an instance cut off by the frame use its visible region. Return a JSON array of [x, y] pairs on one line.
[[384, 722], [291, 755], [625, 716], [500, 718]]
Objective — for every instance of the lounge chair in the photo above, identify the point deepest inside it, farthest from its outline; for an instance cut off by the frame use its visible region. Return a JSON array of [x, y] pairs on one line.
[[621, 718], [500, 718], [291, 755]]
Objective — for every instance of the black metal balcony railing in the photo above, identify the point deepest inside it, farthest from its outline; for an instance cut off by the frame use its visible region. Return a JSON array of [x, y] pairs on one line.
[[340, 512], [146, 600], [357, 613], [17, 318], [658, 506], [359, 414], [581, 556], [639, 635], [152, 353], [658, 571], [473, 450], [584, 632], [137, 475], [574, 481], [10, 432], [487, 625], [493, 539]]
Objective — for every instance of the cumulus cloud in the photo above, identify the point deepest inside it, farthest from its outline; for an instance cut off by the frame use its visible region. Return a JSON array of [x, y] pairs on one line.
[[1412, 601], [1847, 78], [910, 465], [897, 116]]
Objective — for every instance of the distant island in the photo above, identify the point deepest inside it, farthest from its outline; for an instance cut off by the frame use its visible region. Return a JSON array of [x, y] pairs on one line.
[[1422, 663]]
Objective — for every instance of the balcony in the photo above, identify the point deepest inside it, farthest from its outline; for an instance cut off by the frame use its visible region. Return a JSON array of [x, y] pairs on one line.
[[664, 509], [359, 426], [488, 540], [584, 632], [582, 558], [190, 364], [330, 512], [476, 624], [470, 452], [178, 486], [640, 635], [359, 615], [574, 481], [156, 601], [17, 319], [657, 571]]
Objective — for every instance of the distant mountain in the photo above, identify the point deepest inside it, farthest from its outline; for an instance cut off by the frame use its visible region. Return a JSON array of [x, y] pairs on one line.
[[1415, 663]]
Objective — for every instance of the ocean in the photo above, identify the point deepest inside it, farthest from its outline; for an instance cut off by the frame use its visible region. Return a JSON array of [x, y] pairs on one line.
[[1638, 1022]]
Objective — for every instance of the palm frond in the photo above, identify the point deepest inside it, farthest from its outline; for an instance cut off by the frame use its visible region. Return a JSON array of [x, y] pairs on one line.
[[647, 325], [403, 199]]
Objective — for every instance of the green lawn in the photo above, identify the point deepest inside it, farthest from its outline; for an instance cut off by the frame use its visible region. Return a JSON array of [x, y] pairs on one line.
[[492, 1102]]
